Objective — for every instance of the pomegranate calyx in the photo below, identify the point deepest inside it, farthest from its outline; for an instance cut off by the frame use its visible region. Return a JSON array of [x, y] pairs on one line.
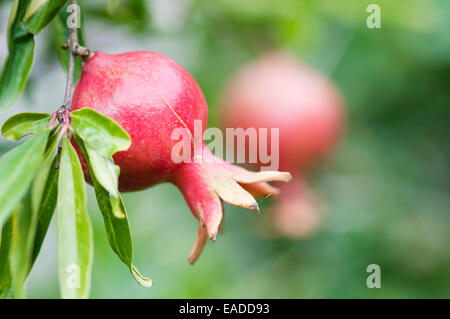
[[206, 184]]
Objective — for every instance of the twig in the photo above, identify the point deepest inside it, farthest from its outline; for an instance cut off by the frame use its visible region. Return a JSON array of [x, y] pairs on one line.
[[75, 49]]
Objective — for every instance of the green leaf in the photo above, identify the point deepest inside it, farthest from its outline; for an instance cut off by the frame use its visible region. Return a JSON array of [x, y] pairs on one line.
[[16, 70], [133, 14], [24, 229], [17, 169], [117, 229], [16, 15], [33, 7], [27, 18], [99, 132], [118, 232], [107, 175], [23, 124], [13, 14], [141, 280], [75, 242], [105, 171], [40, 13], [6, 293], [34, 219], [44, 194], [5, 247], [46, 207], [17, 67], [34, 216]]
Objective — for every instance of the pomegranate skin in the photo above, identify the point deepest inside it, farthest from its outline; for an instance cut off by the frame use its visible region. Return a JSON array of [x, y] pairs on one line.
[[278, 91], [149, 95]]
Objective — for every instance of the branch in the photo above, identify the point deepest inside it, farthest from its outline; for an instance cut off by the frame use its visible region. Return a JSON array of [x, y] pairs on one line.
[[75, 49]]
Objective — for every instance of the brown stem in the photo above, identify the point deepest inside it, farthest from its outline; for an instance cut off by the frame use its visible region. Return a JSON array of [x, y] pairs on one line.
[[75, 49]]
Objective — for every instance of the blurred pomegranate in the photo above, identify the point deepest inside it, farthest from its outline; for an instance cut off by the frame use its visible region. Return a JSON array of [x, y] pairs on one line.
[[279, 91]]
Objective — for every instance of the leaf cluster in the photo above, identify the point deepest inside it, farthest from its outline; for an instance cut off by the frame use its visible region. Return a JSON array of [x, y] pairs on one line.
[[44, 175]]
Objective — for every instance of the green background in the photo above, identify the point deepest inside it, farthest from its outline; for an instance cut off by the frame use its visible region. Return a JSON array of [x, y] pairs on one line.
[[386, 189]]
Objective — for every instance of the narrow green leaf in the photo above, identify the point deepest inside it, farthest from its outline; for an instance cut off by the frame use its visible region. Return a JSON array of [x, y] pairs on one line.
[[117, 229], [7, 293], [40, 13], [17, 169], [118, 232], [24, 233], [44, 194], [16, 15], [107, 173], [17, 67], [33, 7], [46, 208], [5, 247], [23, 124], [27, 18], [100, 132], [16, 70], [24, 229], [141, 280], [13, 14], [75, 242]]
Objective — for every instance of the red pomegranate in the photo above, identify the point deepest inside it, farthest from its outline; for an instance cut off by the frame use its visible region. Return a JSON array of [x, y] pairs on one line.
[[278, 91], [150, 96]]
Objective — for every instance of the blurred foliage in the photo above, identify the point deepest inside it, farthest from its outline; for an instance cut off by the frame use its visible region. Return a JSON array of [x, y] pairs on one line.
[[131, 13], [386, 190]]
